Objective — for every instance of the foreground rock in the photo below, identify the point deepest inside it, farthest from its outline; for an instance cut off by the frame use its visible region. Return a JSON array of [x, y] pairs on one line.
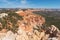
[[9, 36], [35, 35]]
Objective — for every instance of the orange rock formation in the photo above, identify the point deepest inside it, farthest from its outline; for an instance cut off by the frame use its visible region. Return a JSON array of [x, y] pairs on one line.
[[30, 20]]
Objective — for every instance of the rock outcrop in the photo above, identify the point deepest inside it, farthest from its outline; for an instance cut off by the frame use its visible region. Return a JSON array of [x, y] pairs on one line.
[[30, 20], [30, 28]]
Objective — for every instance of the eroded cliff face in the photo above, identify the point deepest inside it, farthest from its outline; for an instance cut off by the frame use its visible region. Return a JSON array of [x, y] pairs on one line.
[[30, 20], [31, 28]]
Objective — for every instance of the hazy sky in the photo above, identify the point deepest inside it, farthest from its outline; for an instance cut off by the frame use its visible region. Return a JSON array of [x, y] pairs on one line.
[[29, 3]]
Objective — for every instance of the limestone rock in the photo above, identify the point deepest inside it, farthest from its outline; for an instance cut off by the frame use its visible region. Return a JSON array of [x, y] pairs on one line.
[[2, 35], [9, 36], [21, 35], [52, 38]]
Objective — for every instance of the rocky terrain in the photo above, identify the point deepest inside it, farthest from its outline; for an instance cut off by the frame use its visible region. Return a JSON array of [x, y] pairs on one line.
[[25, 25]]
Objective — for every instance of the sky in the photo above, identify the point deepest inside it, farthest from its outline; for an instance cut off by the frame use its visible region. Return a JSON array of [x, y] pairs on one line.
[[29, 3]]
